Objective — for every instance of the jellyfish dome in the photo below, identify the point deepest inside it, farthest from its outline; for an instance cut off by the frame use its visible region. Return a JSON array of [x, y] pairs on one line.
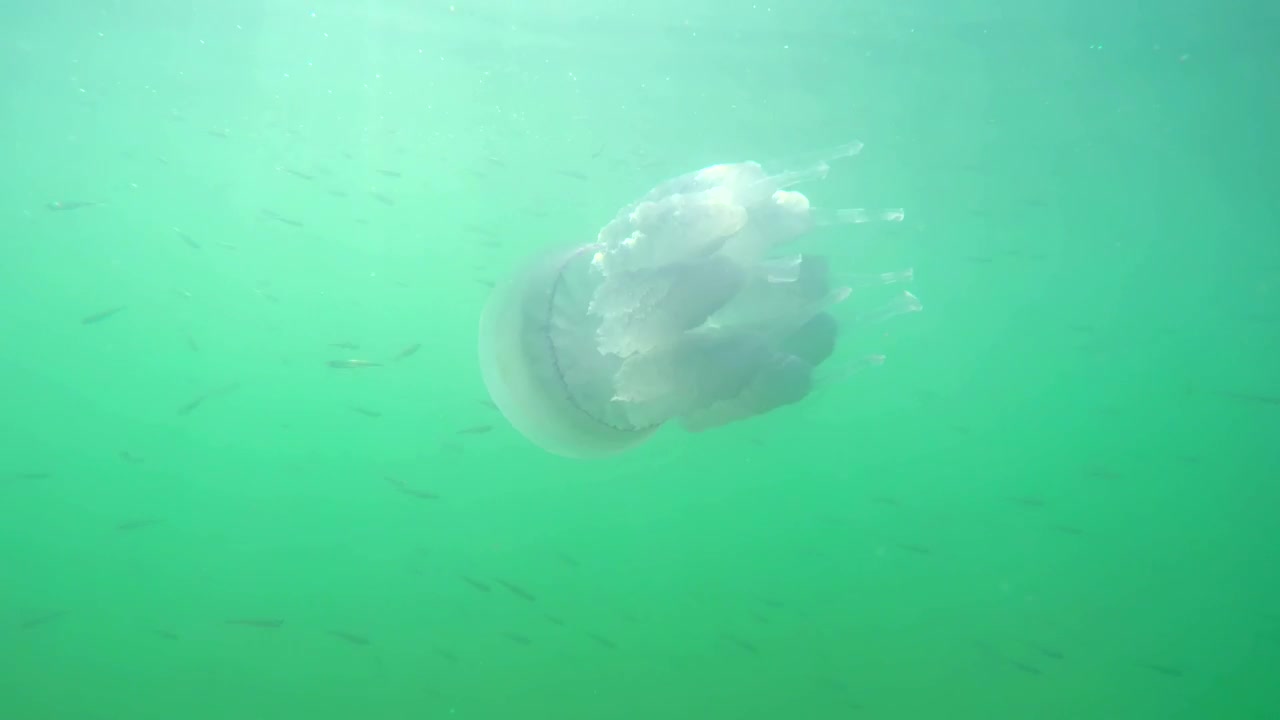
[[686, 308]]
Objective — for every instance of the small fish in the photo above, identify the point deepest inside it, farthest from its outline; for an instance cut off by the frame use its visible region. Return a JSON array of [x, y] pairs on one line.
[[137, 524], [196, 402], [219, 133], [489, 404], [190, 241], [517, 638], [34, 622], [273, 215], [408, 351], [1048, 652], [129, 457], [555, 620], [1025, 667], [390, 173], [424, 494], [1101, 472], [598, 152], [68, 205], [298, 174], [191, 406], [384, 199], [740, 643], [167, 634], [1165, 670], [352, 364], [100, 315], [350, 637], [1028, 500], [478, 585], [603, 641], [403, 487], [1261, 399], [265, 623], [475, 430], [366, 411], [841, 689], [517, 590], [188, 408]]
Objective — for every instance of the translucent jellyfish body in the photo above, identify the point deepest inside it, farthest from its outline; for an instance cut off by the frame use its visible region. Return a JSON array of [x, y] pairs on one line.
[[686, 308]]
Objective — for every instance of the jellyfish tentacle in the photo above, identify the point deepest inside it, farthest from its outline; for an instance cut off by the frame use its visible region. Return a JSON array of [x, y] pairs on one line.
[[862, 280], [843, 372], [818, 158], [901, 305], [827, 217]]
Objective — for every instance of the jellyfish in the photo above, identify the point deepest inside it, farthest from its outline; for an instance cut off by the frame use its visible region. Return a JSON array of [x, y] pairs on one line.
[[687, 308]]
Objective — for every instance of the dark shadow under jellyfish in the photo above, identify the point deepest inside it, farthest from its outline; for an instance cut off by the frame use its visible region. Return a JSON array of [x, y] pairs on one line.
[[686, 308]]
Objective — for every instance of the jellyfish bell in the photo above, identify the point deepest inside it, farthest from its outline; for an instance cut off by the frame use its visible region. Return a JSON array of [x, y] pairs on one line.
[[538, 364], [683, 309]]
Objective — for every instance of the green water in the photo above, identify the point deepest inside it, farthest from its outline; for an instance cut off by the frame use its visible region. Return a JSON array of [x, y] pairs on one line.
[[1056, 499]]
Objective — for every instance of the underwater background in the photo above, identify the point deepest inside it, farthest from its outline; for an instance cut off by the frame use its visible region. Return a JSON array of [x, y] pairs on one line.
[[1057, 498]]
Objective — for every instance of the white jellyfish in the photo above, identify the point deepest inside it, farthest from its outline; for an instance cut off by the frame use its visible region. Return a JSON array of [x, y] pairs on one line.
[[685, 308]]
